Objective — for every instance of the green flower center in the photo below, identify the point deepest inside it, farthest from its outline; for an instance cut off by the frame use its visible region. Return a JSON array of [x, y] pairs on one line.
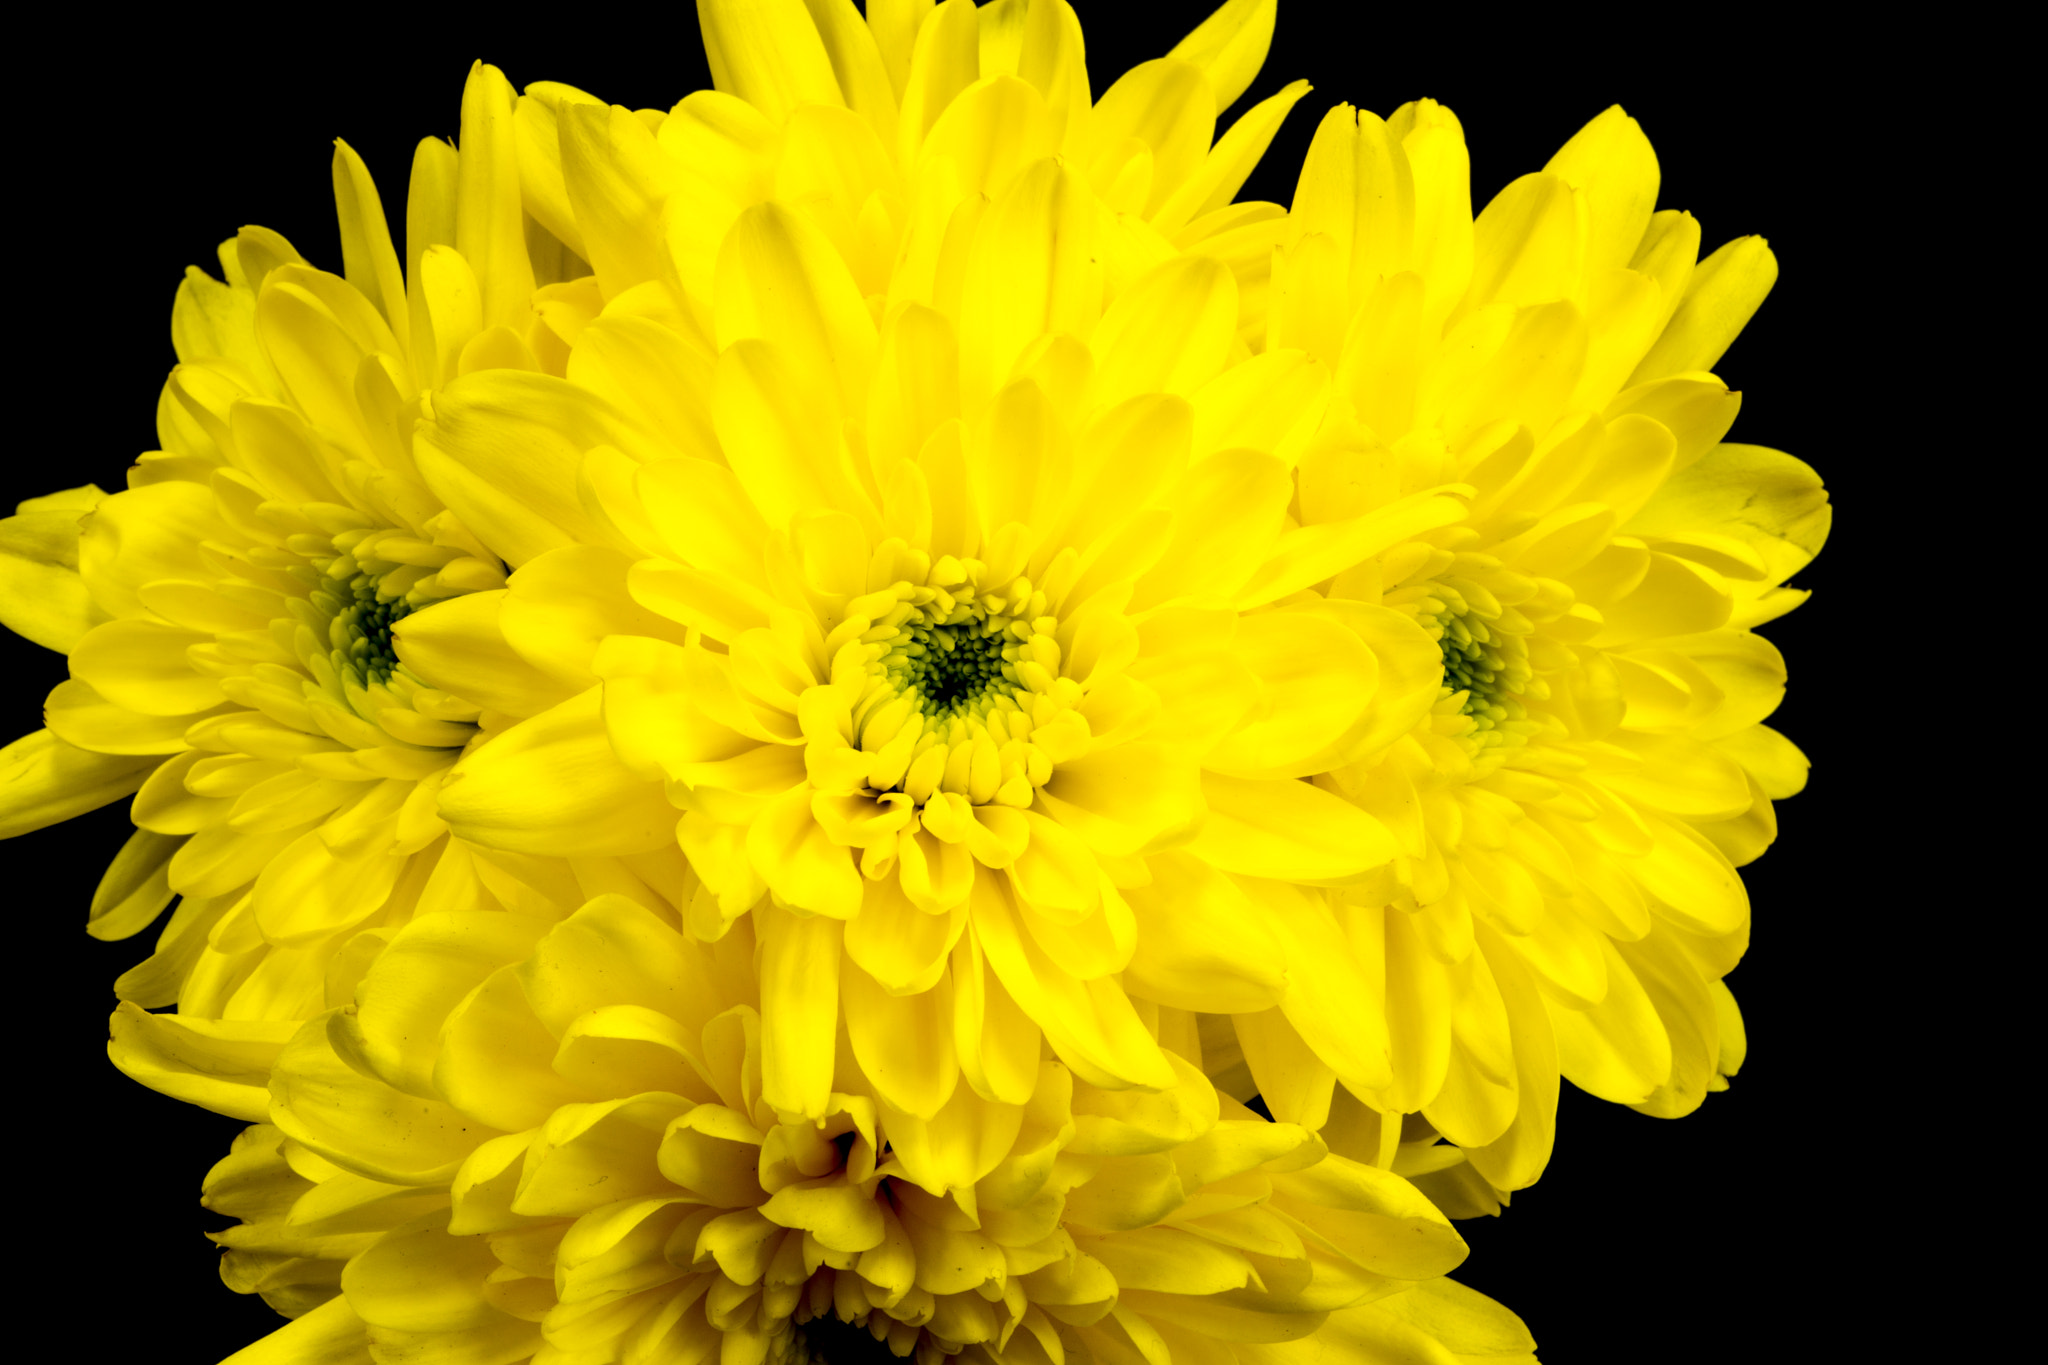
[[954, 668], [359, 630], [1474, 663], [1486, 669]]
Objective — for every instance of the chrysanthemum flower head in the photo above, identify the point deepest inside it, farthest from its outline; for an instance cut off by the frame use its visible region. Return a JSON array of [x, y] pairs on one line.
[[929, 585], [229, 616], [592, 1173], [1570, 813]]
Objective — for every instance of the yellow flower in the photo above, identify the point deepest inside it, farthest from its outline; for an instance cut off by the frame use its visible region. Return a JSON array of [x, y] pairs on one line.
[[228, 618], [916, 518], [1571, 812], [589, 1170]]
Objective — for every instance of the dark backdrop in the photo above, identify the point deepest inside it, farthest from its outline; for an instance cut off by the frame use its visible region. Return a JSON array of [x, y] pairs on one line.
[[1741, 1228]]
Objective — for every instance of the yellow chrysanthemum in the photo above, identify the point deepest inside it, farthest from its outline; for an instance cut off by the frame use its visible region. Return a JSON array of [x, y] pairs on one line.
[[229, 616], [1571, 811], [588, 1171], [926, 582]]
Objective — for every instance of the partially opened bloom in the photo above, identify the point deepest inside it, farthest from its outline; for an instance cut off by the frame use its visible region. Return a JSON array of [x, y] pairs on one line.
[[1571, 810], [228, 618], [588, 1171], [927, 580]]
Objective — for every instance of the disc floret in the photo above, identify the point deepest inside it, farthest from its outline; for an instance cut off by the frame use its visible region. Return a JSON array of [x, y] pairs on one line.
[[1469, 608], [960, 688]]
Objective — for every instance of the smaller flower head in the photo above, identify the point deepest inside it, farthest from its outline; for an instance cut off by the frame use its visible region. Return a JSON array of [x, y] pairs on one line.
[[647, 1204]]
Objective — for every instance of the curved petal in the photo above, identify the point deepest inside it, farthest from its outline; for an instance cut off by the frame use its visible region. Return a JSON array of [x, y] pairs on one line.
[[552, 786]]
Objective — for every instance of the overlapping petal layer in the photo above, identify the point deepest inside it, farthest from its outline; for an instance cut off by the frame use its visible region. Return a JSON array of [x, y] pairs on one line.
[[932, 585], [229, 616], [1571, 812], [592, 1173], [1030, 643], [1040, 612]]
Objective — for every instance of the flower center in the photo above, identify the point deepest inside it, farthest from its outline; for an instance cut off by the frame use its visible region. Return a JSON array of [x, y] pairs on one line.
[[1476, 663], [359, 631], [1486, 664], [959, 688], [959, 666]]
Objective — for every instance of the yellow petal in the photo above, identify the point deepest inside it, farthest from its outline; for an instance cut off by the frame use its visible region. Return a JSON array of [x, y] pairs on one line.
[[615, 951], [1609, 162], [44, 780], [1201, 945], [560, 606], [1230, 46], [799, 861], [1163, 110], [368, 259], [496, 1058], [900, 946], [589, 1155], [1032, 272], [136, 886], [42, 596], [1132, 1122], [619, 179], [319, 1100], [1516, 1158], [781, 280], [1314, 678], [1618, 1049], [768, 53], [944, 60], [502, 453], [904, 1043], [1722, 296], [552, 785], [331, 1334], [1528, 244], [616, 1250], [1383, 1222], [425, 970], [1462, 1320], [1091, 1025], [800, 996], [783, 444], [1771, 760], [1687, 1007], [459, 646], [146, 534], [1131, 799], [659, 376], [1290, 831], [489, 221], [1170, 332], [714, 1153], [996, 1042], [1440, 170], [219, 1064], [859, 68]]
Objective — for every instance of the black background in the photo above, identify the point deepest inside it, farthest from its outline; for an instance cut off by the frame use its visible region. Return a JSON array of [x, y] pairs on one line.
[[1762, 1223]]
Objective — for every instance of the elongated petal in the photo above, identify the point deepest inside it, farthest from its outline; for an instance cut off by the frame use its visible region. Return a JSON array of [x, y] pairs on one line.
[[44, 780], [1230, 46], [552, 785], [800, 989], [1290, 831], [222, 1065]]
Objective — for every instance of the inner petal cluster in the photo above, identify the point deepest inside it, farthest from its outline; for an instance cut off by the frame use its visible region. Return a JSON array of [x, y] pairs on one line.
[[1488, 679], [361, 582], [359, 628], [960, 688]]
